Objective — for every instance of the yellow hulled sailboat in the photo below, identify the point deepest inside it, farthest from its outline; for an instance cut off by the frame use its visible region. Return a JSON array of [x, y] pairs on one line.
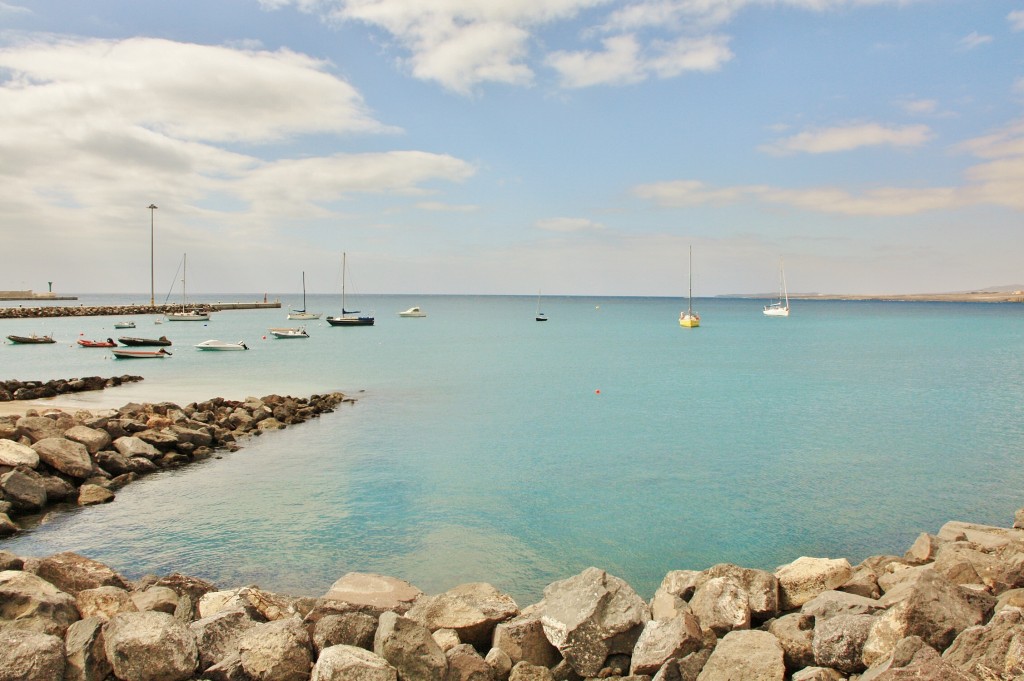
[[690, 319]]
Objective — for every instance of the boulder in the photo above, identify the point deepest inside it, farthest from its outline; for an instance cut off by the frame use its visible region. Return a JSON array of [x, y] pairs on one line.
[[37, 428], [23, 489], [499, 662], [277, 651], [68, 457], [103, 602], [7, 526], [997, 646], [149, 646], [446, 639], [218, 636], [130, 445], [928, 606], [831, 603], [522, 638], [371, 593], [591, 616], [350, 663], [94, 439], [348, 629], [863, 582], [923, 549], [663, 640], [9, 561], [806, 577], [920, 663], [721, 606], [408, 647], [817, 674], [117, 463], [839, 642], [747, 655], [72, 573], [760, 587], [29, 602], [961, 563], [15, 454], [471, 610], [158, 598], [90, 495], [795, 633], [985, 537], [259, 604], [30, 656], [83, 649], [524, 671], [57, 488], [465, 664]]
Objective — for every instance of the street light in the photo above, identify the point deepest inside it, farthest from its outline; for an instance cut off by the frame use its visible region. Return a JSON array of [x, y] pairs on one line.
[[152, 207]]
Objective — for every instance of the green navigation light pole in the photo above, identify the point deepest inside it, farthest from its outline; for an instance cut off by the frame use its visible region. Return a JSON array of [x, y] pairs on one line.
[[152, 207]]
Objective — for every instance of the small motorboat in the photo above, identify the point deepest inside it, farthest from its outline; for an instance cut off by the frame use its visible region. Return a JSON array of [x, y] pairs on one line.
[[124, 325], [31, 340], [413, 312], [221, 345], [137, 342], [121, 353], [109, 343], [289, 332]]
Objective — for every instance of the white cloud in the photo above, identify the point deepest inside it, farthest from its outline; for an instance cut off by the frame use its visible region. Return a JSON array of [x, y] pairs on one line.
[[618, 64], [568, 225], [920, 107], [440, 207], [688, 193], [850, 137], [973, 40], [7, 8], [1016, 19]]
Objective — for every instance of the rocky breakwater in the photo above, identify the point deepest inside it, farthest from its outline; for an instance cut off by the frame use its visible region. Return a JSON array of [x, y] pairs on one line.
[[37, 390], [950, 609], [95, 310], [57, 458]]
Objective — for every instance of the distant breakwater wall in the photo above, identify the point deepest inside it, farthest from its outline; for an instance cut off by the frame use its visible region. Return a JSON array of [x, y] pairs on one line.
[[37, 390], [82, 458], [123, 310]]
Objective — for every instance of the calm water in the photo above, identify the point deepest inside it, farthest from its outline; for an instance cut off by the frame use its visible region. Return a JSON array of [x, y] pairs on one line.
[[485, 446]]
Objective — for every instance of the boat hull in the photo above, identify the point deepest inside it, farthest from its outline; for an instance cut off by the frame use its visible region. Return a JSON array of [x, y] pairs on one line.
[[413, 312], [300, 316], [187, 317], [96, 344], [689, 321], [31, 340], [143, 342], [350, 321], [221, 345], [288, 333], [140, 354], [774, 311], [124, 325]]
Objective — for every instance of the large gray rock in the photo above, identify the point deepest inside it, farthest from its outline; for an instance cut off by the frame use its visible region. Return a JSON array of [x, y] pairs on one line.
[[839, 642], [925, 664], [591, 616], [746, 655], [471, 610], [129, 445], [795, 632], [159, 598], [30, 656], [524, 671], [997, 646], [15, 454], [806, 577], [961, 563], [348, 628], [986, 537], [72, 573], [761, 588], [94, 439], [371, 593], [68, 457], [277, 651], [522, 638], [928, 606], [91, 495], [831, 603], [149, 646], [83, 648], [218, 636], [258, 603], [24, 490], [408, 647], [31, 603], [117, 463], [103, 602], [465, 664], [721, 606], [663, 640], [676, 589], [349, 663], [37, 428]]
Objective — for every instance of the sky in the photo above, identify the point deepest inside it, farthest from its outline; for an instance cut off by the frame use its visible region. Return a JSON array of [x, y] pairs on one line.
[[574, 147]]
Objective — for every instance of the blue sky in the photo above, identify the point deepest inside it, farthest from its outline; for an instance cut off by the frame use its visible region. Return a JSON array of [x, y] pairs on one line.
[[460, 146]]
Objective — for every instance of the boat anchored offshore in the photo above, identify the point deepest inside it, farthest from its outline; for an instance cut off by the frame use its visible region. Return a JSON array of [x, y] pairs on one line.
[[124, 325], [186, 315], [412, 312], [214, 344], [137, 342], [31, 340], [121, 353], [690, 319], [109, 343], [779, 308], [347, 318], [289, 332], [303, 314]]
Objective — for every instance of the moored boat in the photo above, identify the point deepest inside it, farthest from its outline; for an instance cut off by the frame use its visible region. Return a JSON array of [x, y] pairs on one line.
[[346, 318], [31, 340], [779, 308], [303, 313], [109, 343], [186, 315], [413, 312], [690, 319], [136, 342], [214, 344], [121, 353], [289, 332], [124, 325]]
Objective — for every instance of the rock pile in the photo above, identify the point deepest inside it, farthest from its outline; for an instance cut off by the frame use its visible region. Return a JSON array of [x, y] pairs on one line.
[[37, 390], [60, 458], [95, 310], [950, 609]]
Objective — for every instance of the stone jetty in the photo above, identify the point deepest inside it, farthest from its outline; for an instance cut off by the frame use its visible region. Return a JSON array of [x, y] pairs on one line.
[[124, 310], [951, 608], [37, 390]]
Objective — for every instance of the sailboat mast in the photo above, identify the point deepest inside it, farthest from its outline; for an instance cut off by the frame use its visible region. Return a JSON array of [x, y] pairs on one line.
[[184, 269], [343, 283], [689, 305], [785, 290]]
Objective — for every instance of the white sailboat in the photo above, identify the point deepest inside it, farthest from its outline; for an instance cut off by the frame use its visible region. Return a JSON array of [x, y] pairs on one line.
[[186, 315], [346, 318], [779, 308], [303, 314], [540, 317], [690, 319]]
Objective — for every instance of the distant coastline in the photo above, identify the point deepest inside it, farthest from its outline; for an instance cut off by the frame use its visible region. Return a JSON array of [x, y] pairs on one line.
[[1015, 296]]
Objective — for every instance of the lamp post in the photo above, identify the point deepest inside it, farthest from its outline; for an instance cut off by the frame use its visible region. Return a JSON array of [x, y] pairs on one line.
[[152, 207]]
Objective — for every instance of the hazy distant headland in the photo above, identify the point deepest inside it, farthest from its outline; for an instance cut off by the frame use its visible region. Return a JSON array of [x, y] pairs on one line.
[[1012, 293]]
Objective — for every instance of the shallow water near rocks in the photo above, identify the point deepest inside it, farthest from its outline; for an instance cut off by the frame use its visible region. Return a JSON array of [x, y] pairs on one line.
[[485, 446]]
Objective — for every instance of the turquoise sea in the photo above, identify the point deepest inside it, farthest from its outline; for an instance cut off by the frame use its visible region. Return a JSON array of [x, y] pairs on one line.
[[485, 446]]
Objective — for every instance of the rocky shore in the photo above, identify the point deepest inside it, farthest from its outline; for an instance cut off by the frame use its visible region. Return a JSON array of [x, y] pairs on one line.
[[37, 390], [950, 609], [96, 310]]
